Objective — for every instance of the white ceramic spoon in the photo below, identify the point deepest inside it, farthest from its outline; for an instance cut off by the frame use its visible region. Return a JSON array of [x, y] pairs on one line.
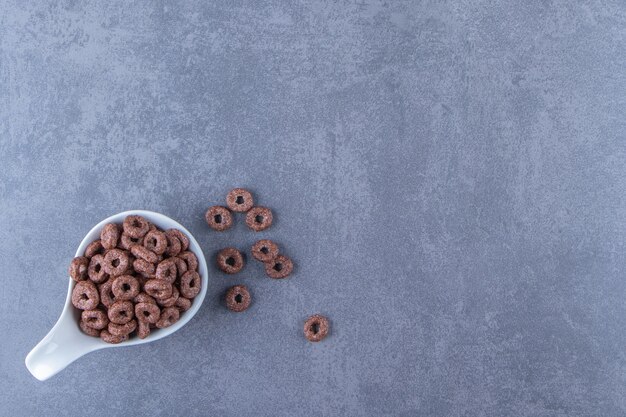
[[66, 342]]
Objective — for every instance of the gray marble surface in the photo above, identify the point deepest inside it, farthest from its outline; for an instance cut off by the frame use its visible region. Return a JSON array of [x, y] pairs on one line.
[[449, 177]]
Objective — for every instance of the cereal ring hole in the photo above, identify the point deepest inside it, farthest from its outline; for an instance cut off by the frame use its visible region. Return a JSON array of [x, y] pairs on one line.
[[278, 267], [146, 313], [238, 298], [239, 200], [265, 250], [315, 328], [125, 287], [258, 218], [230, 261], [115, 263], [217, 218], [97, 267], [83, 297]]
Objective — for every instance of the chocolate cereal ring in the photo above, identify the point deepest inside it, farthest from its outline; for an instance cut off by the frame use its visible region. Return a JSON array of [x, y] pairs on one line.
[[184, 240], [218, 218], [115, 262], [169, 316], [121, 312], [279, 267], [144, 267], [147, 312], [96, 270], [109, 338], [230, 260], [316, 328], [107, 298], [140, 252], [136, 226], [125, 287], [96, 319], [183, 304], [238, 298], [264, 250], [171, 300], [94, 248], [127, 241], [166, 270], [155, 241], [158, 288], [88, 330], [191, 260], [79, 268], [239, 200], [85, 295], [142, 297], [190, 284], [109, 235], [122, 329], [181, 266], [259, 218], [174, 247], [143, 329]]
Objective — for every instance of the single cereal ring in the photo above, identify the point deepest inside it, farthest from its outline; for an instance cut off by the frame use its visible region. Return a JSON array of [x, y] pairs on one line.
[[85, 295], [79, 268], [109, 235], [158, 288], [125, 287], [184, 240], [155, 241], [115, 262], [90, 331], [239, 200], [96, 270], [136, 226], [171, 300], [96, 319], [144, 267], [183, 304], [316, 328], [143, 329], [181, 266], [238, 298], [122, 329], [166, 270], [218, 218], [173, 244], [107, 298], [94, 248], [191, 260], [109, 338], [169, 316], [279, 267], [127, 241], [264, 250], [230, 260], [142, 297], [140, 252], [121, 312], [148, 312], [190, 284], [259, 218]]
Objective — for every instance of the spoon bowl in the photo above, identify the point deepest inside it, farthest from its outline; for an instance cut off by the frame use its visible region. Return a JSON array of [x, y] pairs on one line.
[[66, 342]]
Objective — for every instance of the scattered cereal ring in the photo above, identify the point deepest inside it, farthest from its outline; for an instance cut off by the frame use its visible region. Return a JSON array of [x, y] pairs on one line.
[[279, 267], [184, 240], [144, 267], [158, 288], [85, 295], [183, 304], [109, 338], [264, 250], [191, 260], [79, 268], [109, 235], [107, 298], [190, 284], [181, 266], [142, 297], [127, 241], [259, 218], [121, 312], [141, 252], [143, 329], [115, 262], [136, 226], [148, 312], [88, 330], [238, 298], [96, 271], [173, 244], [171, 300], [230, 260], [125, 287], [239, 200], [316, 328], [218, 218], [122, 329], [166, 270], [94, 248], [155, 241], [96, 319], [169, 316]]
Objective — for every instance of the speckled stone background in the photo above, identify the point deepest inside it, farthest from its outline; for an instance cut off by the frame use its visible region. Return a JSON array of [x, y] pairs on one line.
[[448, 175]]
